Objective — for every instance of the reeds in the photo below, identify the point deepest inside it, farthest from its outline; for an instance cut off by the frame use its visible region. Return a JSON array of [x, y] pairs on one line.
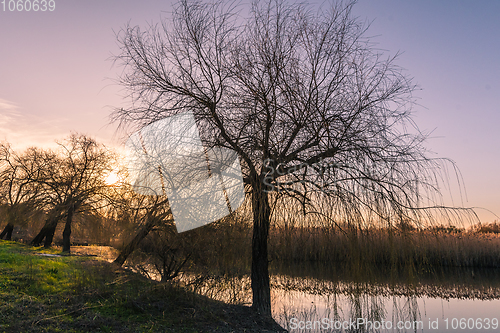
[[385, 247], [224, 248]]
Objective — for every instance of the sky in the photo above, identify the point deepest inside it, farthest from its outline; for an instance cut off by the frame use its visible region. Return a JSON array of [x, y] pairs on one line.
[[57, 76]]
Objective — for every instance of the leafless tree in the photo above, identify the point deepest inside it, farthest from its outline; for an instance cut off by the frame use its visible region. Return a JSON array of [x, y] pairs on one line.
[[315, 112], [73, 181], [19, 192], [144, 212]]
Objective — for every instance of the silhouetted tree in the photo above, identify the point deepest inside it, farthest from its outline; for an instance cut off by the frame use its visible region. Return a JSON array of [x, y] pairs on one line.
[[73, 181], [144, 212], [20, 194], [316, 114]]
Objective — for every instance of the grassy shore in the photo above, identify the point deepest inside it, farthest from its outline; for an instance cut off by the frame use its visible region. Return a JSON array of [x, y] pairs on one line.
[[41, 291]]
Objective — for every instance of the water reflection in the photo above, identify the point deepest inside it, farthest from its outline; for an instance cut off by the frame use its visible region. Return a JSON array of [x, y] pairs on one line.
[[302, 312], [454, 300]]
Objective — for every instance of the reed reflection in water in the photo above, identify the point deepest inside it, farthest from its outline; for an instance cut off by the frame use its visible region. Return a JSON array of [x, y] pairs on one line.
[[307, 304], [364, 311]]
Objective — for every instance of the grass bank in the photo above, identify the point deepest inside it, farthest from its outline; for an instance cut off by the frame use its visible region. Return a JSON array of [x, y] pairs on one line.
[[43, 292]]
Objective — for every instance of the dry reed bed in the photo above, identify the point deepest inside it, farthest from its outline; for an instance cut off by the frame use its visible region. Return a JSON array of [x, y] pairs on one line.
[[225, 249], [387, 247]]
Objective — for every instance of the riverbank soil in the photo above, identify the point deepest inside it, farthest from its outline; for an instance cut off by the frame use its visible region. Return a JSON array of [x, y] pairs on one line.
[[42, 291]]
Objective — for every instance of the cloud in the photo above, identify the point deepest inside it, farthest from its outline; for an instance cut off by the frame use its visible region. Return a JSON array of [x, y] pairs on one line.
[[6, 105], [23, 129], [8, 112]]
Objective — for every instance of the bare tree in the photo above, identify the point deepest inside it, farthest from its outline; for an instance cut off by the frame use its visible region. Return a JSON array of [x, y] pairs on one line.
[[19, 191], [316, 114], [74, 181], [144, 212]]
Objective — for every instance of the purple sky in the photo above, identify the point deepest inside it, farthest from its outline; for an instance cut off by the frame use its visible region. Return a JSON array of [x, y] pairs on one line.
[[56, 76]]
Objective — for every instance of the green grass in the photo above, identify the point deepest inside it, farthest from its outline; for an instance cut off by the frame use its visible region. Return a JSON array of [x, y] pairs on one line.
[[81, 294]]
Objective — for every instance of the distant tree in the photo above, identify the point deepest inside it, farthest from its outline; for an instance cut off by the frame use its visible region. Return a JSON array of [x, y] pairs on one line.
[[144, 212], [316, 114], [73, 181], [20, 194]]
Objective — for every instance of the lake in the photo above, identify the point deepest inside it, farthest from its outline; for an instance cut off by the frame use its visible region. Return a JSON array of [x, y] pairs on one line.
[[350, 307], [317, 299]]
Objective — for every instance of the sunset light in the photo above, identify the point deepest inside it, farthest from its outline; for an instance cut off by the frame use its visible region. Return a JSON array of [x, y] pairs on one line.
[[112, 178], [249, 166]]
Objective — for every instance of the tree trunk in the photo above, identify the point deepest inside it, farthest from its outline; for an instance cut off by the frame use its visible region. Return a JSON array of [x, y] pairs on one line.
[[47, 232], [132, 245], [67, 229], [49, 235], [7, 231], [11, 220], [260, 272]]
